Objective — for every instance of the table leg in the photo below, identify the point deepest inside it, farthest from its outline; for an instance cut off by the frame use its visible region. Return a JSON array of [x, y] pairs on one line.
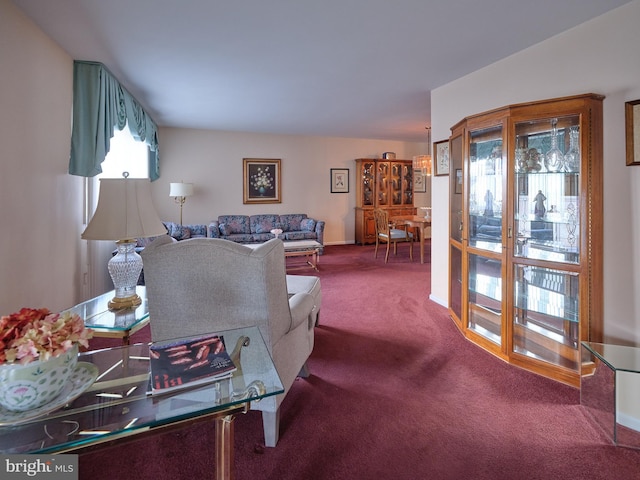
[[422, 234], [225, 464]]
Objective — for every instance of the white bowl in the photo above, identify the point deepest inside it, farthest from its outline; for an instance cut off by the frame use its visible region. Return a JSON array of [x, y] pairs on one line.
[[28, 386]]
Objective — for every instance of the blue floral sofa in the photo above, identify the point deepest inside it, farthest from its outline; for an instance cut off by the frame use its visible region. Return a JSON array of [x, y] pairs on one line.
[[257, 228]]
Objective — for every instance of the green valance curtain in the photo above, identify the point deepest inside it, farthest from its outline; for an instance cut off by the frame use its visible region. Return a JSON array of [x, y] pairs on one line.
[[100, 103]]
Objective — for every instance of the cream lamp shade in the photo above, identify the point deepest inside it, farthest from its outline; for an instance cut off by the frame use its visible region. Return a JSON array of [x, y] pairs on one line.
[[124, 213], [180, 189]]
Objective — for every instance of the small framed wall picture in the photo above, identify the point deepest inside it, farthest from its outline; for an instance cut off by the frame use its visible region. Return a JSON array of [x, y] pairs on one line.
[[339, 180], [419, 181], [632, 131], [261, 180], [441, 157]]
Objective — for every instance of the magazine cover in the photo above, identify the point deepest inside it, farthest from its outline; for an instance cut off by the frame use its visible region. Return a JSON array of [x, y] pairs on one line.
[[189, 362]]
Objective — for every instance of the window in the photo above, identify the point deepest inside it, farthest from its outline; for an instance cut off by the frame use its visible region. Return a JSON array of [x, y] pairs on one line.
[[125, 155]]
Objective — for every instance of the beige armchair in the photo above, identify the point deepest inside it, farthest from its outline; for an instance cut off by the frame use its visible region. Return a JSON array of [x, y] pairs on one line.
[[207, 285]]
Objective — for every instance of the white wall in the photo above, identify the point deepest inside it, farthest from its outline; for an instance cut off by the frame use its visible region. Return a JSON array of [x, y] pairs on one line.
[[599, 56], [44, 260], [212, 161], [40, 204]]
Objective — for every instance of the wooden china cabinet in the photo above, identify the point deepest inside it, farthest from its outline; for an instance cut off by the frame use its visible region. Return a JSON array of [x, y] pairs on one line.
[[526, 232], [381, 183]]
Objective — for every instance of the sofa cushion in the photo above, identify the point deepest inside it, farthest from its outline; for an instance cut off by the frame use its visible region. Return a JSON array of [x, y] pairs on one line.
[[179, 232], [308, 225], [291, 222], [262, 237], [264, 223], [234, 224], [300, 235], [240, 238], [197, 230]]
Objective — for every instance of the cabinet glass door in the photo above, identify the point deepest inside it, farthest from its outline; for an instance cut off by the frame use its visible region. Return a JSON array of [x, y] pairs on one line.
[[485, 189], [407, 184], [455, 282], [384, 180], [546, 317], [485, 297], [368, 179], [455, 189], [396, 184], [547, 182]]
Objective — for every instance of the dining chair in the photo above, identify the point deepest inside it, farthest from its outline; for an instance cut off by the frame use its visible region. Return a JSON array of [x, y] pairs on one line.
[[390, 233]]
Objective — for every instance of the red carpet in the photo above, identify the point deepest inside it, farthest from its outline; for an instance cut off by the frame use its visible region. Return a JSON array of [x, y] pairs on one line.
[[396, 392]]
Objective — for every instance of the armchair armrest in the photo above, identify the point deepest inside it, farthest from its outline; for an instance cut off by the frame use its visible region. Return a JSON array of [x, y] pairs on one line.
[[320, 231], [214, 229], [301, 306]]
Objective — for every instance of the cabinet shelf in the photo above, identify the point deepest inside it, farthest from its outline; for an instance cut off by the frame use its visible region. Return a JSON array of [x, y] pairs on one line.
[[525, 251]]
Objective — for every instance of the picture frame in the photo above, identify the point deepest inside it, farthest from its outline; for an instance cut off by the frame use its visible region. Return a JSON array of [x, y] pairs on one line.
[[632, 131], [458, 184], [261, 180], [339, 180], [441, 158], [419, 181]]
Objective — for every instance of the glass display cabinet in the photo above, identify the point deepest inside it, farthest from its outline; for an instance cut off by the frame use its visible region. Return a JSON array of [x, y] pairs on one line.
[[526, 232], [384, 184]]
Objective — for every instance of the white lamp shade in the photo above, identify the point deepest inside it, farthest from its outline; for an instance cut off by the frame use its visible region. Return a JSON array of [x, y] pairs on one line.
[[125, 211], [180, 189]]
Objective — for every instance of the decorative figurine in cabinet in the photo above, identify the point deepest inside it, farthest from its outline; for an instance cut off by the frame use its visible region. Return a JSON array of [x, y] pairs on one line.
[[381, 183], [526, 237]]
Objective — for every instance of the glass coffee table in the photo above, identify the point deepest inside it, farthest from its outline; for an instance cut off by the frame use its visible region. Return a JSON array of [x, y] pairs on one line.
[[303, 248], [308, 249], [111, 404], [109, 324]]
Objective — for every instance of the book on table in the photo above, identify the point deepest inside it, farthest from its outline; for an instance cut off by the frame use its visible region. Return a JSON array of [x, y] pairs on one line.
[[188, 362]]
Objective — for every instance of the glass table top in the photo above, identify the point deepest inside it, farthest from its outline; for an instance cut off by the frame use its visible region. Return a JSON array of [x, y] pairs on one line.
[[118, 404], [97, 316], [617, 357]]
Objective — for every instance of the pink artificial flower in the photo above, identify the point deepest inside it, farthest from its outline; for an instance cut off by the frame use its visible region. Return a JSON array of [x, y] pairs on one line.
[[38, 334]]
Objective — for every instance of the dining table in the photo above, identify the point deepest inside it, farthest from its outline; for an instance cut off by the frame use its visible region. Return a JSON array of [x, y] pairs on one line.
[[415, 221]]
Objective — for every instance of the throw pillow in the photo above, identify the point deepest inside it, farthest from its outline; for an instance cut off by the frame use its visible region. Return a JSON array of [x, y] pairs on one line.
[[308, 225]]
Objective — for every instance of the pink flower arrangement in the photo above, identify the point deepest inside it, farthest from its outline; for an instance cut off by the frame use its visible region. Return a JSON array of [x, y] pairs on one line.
[[37, 334]]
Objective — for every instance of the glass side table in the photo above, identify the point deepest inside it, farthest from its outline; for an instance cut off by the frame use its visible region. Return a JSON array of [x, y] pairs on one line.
[[116, 409], [105, 323], [601, 364]]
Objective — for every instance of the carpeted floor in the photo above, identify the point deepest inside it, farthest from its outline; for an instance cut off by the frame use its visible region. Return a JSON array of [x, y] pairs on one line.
[[395, 392]]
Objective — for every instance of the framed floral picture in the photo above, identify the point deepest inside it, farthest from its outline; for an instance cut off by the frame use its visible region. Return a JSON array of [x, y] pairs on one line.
[[339, 180], [441, 157], [261, 180]]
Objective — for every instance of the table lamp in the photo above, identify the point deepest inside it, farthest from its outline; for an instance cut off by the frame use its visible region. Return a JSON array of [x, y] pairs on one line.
[[125, 213], [180, 191]]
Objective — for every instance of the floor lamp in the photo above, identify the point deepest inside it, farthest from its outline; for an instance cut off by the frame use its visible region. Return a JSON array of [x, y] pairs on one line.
[[180, 191], [124, 213]]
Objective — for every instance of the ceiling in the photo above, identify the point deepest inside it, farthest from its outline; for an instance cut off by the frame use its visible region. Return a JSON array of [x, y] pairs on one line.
[[344, 68]]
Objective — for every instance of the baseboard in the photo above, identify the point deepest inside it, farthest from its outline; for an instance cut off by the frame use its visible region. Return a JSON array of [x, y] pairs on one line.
[[439, 301]]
